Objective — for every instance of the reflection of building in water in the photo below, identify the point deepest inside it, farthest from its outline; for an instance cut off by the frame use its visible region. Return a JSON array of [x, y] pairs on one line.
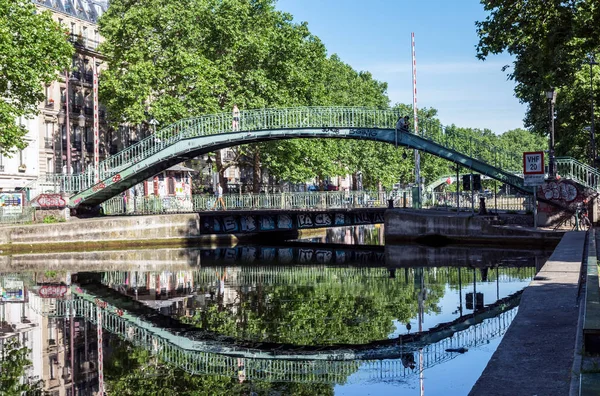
[[169, 292], [49, 339]]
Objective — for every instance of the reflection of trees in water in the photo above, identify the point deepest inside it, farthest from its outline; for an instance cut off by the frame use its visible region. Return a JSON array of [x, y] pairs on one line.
[[131, 370], [320, 305], [353, 310]]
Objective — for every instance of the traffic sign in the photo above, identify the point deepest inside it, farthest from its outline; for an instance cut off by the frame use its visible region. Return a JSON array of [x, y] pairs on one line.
[[533, 168]]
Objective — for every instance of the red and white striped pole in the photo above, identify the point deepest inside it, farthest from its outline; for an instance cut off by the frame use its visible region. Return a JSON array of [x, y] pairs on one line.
[[416, 117], [96, 124]]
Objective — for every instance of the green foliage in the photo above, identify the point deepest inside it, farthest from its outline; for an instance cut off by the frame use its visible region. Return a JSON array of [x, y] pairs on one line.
[[33, 49], [331, 311], [132, 371], [13, 363], [50, 219], [551, 42]]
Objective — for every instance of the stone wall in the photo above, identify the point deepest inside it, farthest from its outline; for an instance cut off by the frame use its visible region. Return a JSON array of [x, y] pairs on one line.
[[107, 229], [407, 225]]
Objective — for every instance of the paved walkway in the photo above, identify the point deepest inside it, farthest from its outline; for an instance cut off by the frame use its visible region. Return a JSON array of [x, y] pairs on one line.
[[536, 354]]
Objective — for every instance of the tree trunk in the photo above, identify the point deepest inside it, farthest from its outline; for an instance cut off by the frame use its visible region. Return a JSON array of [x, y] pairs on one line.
[[256, 174]]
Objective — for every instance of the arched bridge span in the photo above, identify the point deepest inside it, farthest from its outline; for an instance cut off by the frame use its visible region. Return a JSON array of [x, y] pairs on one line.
[[192, 137]]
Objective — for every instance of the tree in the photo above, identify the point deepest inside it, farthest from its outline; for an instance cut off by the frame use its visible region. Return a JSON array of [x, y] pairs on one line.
[[33, 49], [13, 362], [551, 42]]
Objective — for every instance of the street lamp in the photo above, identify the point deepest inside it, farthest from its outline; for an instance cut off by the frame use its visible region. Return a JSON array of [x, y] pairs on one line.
[[210, 171], [551, 96], [61, 122], [592, 62]]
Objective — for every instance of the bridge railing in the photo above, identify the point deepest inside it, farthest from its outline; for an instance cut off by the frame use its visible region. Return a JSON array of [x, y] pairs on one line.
[[291, 118], [448, 201], [287, 201], [579, 172]]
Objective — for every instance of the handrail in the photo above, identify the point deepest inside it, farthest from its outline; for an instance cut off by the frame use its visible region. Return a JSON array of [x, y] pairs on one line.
[[273, 119]]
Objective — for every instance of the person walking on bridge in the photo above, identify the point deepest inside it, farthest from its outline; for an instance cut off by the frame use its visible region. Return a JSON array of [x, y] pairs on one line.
[[402, 124], [219, 197], [235, 125]]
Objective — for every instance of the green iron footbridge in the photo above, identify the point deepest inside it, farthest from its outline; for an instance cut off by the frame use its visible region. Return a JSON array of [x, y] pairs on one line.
[[330, 367], [192, 137]]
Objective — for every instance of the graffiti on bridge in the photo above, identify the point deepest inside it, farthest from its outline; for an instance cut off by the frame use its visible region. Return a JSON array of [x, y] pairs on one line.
[[247, 223], [293, 255]]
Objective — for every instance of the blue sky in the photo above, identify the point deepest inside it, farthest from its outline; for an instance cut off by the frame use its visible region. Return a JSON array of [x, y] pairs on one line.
[[375, 36]]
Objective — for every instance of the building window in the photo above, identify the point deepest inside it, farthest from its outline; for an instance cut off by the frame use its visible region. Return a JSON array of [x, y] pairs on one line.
[[49, 167]]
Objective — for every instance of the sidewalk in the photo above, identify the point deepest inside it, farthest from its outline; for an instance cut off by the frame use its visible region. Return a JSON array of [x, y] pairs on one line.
[[536, 354]]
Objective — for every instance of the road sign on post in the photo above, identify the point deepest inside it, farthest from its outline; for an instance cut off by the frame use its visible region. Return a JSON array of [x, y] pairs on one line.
[[533, 168], [533, 175]]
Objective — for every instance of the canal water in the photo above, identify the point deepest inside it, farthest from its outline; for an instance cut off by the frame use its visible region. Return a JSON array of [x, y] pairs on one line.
[[337, 313]]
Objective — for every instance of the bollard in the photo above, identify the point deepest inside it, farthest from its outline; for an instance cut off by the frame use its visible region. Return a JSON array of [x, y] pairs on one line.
[[482, 209], [390, 203]]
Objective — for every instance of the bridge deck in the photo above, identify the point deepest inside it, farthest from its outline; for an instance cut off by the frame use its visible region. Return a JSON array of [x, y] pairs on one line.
[[536, 353]]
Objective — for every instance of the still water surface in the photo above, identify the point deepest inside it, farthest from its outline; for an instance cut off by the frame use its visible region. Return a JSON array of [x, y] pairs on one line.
[[337, 314]]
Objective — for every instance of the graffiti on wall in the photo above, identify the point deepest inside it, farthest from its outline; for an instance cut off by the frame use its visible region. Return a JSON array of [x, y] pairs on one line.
[[287, 255], [564, 192], [232, 223], [48, 201]]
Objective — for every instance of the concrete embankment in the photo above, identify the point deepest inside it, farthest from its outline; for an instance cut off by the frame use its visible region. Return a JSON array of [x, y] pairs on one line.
[[105, 232], [536, 354], [409, 225]]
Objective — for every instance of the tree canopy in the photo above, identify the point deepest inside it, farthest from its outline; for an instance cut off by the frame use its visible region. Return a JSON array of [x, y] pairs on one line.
[[33, 49], [553, 43]]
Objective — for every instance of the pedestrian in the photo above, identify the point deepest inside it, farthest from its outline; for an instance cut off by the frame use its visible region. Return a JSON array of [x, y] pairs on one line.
[[219, 197], [402, 123], [235, 125]]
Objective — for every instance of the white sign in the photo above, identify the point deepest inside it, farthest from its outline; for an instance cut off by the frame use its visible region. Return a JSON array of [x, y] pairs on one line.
[[533, 168]]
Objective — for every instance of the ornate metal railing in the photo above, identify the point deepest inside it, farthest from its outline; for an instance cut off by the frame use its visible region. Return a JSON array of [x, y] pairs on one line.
[[579, 172], [288, 201], [290, 118]]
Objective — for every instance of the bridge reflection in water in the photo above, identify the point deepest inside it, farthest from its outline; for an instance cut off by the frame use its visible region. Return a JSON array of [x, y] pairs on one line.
[[332, 366], [155, 304]]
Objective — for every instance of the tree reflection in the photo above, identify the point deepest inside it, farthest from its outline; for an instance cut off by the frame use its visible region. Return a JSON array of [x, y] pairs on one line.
[[133, 371]]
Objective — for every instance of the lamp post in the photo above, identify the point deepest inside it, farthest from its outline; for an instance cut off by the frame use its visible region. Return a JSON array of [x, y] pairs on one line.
[[61, 121], [592, 62], [551, 96], [81, 123], [67, 123], [210, 171]]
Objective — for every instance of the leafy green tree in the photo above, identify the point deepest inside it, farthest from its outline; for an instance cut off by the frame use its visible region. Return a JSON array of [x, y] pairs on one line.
[[33, 49], [551, 42], [13, 363]]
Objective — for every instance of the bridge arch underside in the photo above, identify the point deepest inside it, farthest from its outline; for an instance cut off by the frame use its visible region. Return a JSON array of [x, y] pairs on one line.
[[141, 169]]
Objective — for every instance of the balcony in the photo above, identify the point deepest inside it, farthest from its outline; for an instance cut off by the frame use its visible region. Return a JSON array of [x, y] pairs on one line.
[[89, 78], [76, 75], [88, 110], [48, 143], [84, 43], [50, 103], [1, 168]]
